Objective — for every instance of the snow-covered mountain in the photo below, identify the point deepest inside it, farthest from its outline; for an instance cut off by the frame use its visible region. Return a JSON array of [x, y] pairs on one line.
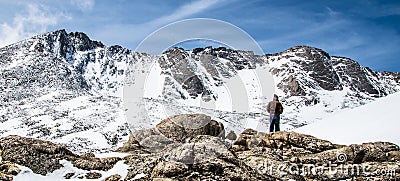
[[67, 88]]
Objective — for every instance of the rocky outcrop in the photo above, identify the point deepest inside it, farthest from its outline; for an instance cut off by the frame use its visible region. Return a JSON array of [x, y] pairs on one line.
[[280, 140], [259, 156], [41, 156], [291, 155], [196, 151], [44, 157], [200, 156], [115, 177], [172, 131], [184, 126], [204, 157]]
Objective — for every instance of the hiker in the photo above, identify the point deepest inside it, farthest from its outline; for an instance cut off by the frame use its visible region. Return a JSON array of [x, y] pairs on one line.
[[274, 109]]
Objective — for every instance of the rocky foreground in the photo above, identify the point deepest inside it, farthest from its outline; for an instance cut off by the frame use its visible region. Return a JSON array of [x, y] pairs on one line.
[[194, 147]]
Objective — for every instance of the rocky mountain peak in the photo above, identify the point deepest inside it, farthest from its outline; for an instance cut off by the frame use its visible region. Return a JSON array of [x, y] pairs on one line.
[[309, 53]]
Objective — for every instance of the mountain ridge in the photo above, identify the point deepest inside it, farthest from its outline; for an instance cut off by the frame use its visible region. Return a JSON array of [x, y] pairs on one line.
[[67, 88]]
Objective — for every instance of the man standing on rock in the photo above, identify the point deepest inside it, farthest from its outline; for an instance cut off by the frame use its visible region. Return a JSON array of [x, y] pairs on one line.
[[274, 109]]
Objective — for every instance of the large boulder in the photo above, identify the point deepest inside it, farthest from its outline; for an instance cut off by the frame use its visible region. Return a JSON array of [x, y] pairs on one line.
[[184, 126], [175, 130], [199, 149]]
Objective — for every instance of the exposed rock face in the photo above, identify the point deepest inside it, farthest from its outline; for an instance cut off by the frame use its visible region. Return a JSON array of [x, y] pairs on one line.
[[93, 175], [43, 157], [283, 139], [115, 177], [182, 67], [363, 79], [181, 127]]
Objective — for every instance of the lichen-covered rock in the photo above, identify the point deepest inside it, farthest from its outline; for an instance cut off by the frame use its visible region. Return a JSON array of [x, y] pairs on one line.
[[131, 146], [93, 175], [9, 168], [201, 158], [5, 177], [283, 139], [248, 139], [148, 141], [286, 155], [44, 157], [356, 154], [231, 136], [69, 175], [115, 177], [88, 155], [169, 169], [141, 164], [40, 156], [199, 149], [96, 163], [183, 126]]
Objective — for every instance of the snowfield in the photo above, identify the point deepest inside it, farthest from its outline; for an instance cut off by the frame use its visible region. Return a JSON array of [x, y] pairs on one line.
[[375, 121]]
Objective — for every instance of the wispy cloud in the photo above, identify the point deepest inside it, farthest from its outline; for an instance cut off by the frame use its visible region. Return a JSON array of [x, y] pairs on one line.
[[83, 5], [33, 22], [138, 32], [185, 11]]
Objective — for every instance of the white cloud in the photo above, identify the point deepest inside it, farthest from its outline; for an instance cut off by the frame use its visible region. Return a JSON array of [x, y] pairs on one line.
[[33, 22], [83, 5]]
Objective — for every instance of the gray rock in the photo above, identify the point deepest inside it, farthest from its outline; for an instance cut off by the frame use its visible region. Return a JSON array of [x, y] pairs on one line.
[[93, 175], [283, 139], [43, 157], [114, 177], [181, 127], [231, 136]]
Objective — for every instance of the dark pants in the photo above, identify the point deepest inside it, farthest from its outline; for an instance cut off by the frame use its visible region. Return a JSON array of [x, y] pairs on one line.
[[274, 122]]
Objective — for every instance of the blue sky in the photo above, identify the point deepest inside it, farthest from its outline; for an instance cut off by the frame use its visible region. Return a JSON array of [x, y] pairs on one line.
[[365, 30]]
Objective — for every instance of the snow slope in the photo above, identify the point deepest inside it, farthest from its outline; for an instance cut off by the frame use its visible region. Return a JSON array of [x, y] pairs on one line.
[[376, 121]]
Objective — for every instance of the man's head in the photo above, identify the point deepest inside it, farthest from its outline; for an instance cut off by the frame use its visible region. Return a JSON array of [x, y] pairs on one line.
[[276, 97]]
